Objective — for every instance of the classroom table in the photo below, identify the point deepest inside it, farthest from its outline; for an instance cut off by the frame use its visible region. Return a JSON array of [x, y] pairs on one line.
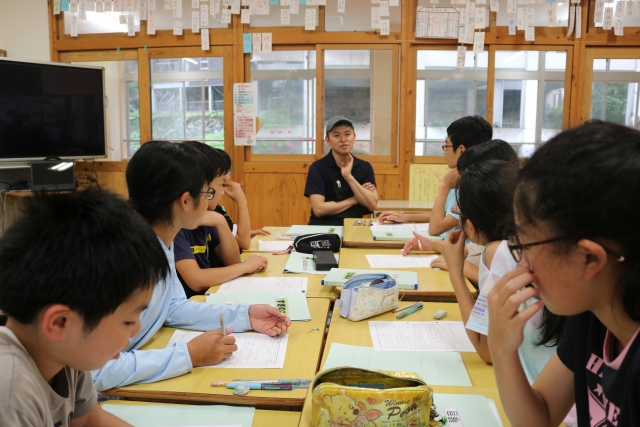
[[344, 331], [275, 233], [433, 284], [262, 417], [403, 206], [275, 269], [359, 236], [303, 355]]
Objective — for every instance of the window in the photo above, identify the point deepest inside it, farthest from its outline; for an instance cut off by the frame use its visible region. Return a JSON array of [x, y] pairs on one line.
[[528, 102], [359, 85], [131, 140], [615, 94], [286, 92], [445, 93], [187, 98]]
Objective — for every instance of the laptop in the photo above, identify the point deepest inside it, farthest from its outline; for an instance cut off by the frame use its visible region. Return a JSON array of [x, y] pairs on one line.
[[53, 175]]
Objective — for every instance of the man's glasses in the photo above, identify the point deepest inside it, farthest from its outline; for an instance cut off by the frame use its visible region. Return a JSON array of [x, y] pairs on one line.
[[516, 248], [211, 193]]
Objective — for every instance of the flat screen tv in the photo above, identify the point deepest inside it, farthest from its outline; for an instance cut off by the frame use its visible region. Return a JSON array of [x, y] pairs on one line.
[[51, 110]]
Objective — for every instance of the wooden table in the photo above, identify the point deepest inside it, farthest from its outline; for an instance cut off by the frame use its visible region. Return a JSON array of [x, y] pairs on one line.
[[359, 236], [275, 269], [431, 283], [344, 331], [262, 417], [303, 354], [403, 206], [275, 232]]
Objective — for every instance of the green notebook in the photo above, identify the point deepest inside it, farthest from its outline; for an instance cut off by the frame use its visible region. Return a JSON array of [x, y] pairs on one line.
[[303, 264], [338, 276], [297, 301], [299, 230], [182, 415]]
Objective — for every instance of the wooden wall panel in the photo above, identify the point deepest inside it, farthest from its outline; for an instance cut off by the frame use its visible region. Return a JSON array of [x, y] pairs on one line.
[[388, 187], [277, 199]]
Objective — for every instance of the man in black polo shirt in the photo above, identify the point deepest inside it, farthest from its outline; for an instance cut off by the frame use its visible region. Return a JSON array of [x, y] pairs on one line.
[[339, 185]]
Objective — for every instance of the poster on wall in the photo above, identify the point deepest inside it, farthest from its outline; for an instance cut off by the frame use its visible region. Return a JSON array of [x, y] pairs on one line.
[[244, 114]]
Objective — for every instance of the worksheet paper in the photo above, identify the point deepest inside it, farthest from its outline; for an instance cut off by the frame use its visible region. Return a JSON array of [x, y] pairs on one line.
[[273, 246], [435, 368], [420, 336], [156, 415], [264, 284], [299, 230], [255, 351], [298, 306], [399, 261], [303, 264], [404, 227]]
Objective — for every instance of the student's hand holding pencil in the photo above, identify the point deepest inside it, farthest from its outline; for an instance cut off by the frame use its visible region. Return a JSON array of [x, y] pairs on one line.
[[268, 320], [211, 347], [255, 263], [420, 243]]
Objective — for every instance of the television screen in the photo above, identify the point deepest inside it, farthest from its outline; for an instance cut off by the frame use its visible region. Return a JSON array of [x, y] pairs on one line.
[[51, 110]]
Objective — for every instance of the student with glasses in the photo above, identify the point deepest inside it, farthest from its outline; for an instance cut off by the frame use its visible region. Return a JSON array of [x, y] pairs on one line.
[[578, 247], [209, 254], [169, 185], [462, 134]]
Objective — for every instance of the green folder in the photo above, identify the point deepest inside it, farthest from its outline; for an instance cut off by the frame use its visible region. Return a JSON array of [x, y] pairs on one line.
[[434, 367], [474, 410], [182, 415], [303, 264], [338, 276], [299, 230], [298, 307]]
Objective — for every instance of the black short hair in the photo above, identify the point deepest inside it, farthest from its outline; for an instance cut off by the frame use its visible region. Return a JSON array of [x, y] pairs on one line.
[[469, 131], [496, 149], [219, 161], [88, 250], [160, 172], [584, 183], [485, 196]]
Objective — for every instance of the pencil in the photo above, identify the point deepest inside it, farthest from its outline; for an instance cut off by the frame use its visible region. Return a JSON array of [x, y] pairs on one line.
[[222, 326]]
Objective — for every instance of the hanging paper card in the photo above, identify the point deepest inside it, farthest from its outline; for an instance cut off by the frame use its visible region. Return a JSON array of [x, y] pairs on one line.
[[552, 21], [73, 7], [151, 22], [214, 7], [511, 6], [481, 17], [294, 9], [512, 24], [471, 34], [636, 8], [122, 19], [578, 22], [204, 38], [384, 8], [285, 16], [143, 9], [284, 2], [245, 16], [267, 42], [393, 2], [310, 19], [529, 17], [620, 9], [421, 24], [247, 45], [177, 28], [521, 18], [607, 21], [177, 9], [375, 18], [322, 2], [384, 27], [618, 28], [572, 18], [494, 5], [151, 5], [471, 14], [235, 7], [529, 34], [74, 26], [598, 13], [82, 11], [56, 7], [257, 43], [226, 16], [462, 34], [195, 22], [100, 9], [204, 15], [259, 7], [244, 130], [168, 5], [629, 8], [462, 54], [341, 5], [478, 42], [131, 28]]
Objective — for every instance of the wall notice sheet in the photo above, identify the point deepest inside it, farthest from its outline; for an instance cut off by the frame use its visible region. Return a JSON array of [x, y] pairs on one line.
[[435, 368], [182, 415], [399, 261], [264, 284], [420, 336], [424, 179], [255, 351], [244, 113]]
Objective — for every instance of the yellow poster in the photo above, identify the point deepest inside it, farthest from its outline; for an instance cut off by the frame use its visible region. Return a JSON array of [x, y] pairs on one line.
[[423, 181]]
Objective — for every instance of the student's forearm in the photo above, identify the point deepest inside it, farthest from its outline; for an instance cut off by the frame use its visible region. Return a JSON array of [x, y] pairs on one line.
[[364, 197], [243, 237], [332, 208], [98, 417], [471, 272], [464, 297], [417, 217], [228, 250], [438, 214], [205, 278]]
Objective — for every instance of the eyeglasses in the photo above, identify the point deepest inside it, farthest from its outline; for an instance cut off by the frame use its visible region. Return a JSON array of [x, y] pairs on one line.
[[516, 248], [211, 193], [444, 147]]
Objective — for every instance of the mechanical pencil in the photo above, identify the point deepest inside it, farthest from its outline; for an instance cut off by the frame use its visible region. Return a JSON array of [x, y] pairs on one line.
[[408, 312]]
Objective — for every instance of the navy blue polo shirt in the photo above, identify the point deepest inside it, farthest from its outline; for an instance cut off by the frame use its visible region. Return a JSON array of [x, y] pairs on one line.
[[323, 178], [197, 244]]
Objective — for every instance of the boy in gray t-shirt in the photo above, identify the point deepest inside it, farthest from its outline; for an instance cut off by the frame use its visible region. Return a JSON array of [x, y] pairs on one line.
[[76, 272]]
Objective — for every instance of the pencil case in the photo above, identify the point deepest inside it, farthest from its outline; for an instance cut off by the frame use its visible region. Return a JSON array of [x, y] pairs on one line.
[[354, 397], [367, 295], [309, 243]]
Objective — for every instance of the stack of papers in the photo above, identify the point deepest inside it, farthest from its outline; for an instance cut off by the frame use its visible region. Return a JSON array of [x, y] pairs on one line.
[[255, 351], [303, 264], [274, 245], [183, 415], [299, 230], [399, 261], [338, 276], [264, 284], [401, 232], [297, 301], [420, 336], [435, 368]]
